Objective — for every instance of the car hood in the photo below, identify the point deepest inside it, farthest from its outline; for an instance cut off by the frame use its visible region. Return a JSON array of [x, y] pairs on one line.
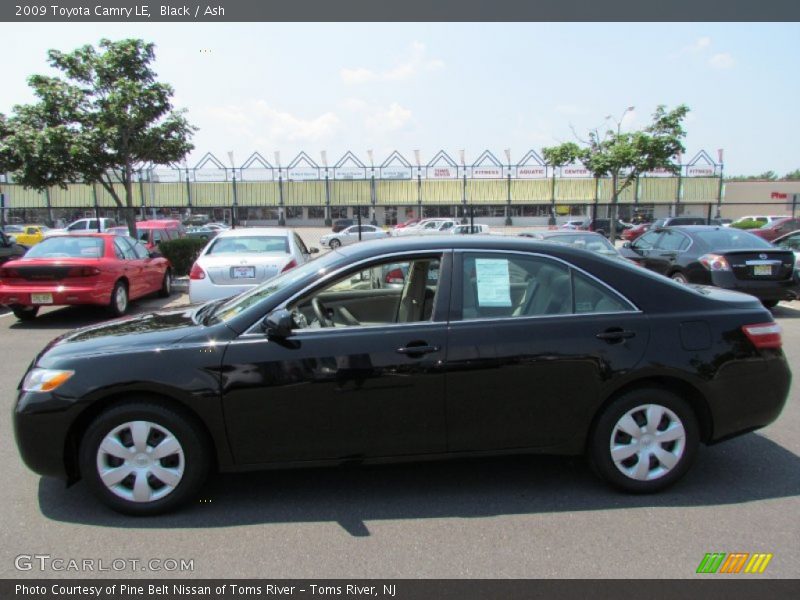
[[146, 330]]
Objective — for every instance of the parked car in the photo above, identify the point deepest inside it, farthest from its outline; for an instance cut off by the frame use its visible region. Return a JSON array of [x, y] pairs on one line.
[[572, 224], [350, 235], [603, 226], [85, 226], [31, 235], [307, 370], [9, 249], [197, 220], [721, 256], [12, 231], [635, 231], [152, 233], [98, 269], [216, 226], [469, 229], [203, 233], [776, 229], [340, 224], [237, 260], [761, 219], [791, 241], [587, 240], [429, 227], [407, 223], [675, 221]]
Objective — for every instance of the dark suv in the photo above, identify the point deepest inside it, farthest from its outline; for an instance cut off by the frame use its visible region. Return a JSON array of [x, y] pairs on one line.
[[602, 226], [674, 221], [340, 224]]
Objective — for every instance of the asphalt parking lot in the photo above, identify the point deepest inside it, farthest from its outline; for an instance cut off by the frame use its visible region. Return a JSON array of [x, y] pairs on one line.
[[525, 517]]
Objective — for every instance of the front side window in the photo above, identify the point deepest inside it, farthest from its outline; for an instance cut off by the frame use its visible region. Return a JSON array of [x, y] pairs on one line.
[[79, 226], [123, 250], [673, 241], [647, 241], [382, 294], [792, 242], [513, 285]]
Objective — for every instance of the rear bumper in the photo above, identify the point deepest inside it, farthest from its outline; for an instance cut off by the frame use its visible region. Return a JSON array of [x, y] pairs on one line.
[[61, 294], [786, 289], [203, 290], [749, 395]]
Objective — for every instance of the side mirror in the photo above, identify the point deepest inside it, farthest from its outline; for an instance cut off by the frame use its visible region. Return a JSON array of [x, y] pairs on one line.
[[313, 250], [278, 324], [155, 254], [627, 245]]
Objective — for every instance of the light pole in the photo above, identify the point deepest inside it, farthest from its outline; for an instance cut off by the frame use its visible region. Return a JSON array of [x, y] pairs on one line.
[[235, 200], [719, 194], [372, 194], [508, 188], [419, 185], [328, 221], [463, 187]]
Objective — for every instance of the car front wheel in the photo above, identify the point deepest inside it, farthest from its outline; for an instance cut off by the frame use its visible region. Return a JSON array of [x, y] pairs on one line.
[[334, 244], [644, 441], [143, 458]]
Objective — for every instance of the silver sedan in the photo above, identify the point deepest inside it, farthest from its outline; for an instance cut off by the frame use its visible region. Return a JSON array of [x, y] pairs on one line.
[[350, 235]]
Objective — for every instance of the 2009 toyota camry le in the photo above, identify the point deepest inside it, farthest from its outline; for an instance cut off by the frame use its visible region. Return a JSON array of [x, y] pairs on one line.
[[404, 348]]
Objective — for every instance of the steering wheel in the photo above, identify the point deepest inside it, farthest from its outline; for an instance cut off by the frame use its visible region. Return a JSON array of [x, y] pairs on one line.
[[321, 313]]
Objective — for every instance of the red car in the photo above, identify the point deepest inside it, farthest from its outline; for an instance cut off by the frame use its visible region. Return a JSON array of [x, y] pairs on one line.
[[94, 268], [777, 228], [408, 223], [152, 233], [635, 231]]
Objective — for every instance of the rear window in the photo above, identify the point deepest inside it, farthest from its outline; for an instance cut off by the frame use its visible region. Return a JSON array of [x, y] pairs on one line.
[[250, 245], [732, 239], [67, 247]]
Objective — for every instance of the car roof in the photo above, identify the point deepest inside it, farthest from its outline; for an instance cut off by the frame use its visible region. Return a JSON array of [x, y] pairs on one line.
[[247, 231]]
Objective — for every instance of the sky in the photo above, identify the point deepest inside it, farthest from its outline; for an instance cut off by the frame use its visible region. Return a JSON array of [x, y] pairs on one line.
[[404, 86]]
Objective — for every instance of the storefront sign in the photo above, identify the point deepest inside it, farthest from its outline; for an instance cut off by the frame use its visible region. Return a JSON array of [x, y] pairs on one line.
[[446, 172], [396, 173], [303, 174], [532, 172], [349, 173], [489, 172]]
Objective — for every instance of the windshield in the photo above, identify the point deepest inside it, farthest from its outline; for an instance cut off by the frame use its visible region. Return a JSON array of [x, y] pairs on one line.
[[67, 247], [261, 244], [732, 239], [242, 302]]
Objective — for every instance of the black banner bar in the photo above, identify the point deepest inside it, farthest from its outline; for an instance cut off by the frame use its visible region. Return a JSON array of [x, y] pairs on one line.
[[710, 587], [34, 11]]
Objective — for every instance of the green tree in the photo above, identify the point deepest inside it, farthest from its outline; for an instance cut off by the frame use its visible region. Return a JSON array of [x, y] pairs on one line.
[[793, 176], [558, 156], [624, 156], [105, 114]]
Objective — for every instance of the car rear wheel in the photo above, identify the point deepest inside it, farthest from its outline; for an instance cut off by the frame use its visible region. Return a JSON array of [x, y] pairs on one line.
[[770, 303], [143, 458], [679, 277], [119, 299], [166, 285], [25, 313], [334, 244], [644, 441]]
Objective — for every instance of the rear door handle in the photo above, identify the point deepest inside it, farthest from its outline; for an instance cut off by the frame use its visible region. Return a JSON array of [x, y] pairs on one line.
[[417, 350], [615, 335]]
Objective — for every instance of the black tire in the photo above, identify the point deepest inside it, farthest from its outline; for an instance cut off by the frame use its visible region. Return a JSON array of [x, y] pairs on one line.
[[334, 244], [116, 306], [166, 284], [679, 277], [195, 460], [25, 313], [770, 303], [682, 451]]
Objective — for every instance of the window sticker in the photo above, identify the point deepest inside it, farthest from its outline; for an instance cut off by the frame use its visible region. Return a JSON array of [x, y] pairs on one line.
[[494, 283]]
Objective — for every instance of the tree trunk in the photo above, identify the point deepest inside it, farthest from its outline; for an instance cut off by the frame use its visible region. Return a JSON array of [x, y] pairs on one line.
[[129, 210]]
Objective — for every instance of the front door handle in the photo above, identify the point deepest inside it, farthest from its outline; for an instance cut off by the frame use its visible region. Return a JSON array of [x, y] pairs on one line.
[[415, 351], [615, 335]]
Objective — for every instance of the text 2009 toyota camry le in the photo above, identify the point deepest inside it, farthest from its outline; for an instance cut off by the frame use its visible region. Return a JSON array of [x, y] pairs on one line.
[[399, 349]]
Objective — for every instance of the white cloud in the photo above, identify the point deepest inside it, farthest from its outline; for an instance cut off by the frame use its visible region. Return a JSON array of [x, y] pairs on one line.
[[721, 60], [417, 61], [379, 119], [700, 44]]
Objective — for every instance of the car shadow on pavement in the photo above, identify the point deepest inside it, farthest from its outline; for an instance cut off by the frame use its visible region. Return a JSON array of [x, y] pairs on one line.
[[749, 468], [72, 317], [782, 311]]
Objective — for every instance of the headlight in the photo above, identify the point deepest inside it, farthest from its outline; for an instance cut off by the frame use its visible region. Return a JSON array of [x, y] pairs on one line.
[[45, 380]]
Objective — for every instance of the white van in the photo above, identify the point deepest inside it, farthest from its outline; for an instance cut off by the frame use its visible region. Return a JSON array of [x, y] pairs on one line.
[[85, 226]]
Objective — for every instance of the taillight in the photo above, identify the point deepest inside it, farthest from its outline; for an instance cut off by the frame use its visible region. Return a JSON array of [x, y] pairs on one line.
[[197, 272], [764, 335], [83, 272], [395, 276], [714, 262], [290, 265]]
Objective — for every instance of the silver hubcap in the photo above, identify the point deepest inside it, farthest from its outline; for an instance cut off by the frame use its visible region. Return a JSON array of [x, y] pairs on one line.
[[140, 461], [647, 442], [679, 278], [167, 283], [121, 299]]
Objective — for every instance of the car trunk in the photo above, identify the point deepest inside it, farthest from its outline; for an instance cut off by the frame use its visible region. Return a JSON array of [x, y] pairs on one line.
[[239, 270], [760, 265], [48, 272]]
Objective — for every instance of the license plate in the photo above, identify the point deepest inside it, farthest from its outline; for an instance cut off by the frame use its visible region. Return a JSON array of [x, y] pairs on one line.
[[762, 269], [41, 298], [243, 272]]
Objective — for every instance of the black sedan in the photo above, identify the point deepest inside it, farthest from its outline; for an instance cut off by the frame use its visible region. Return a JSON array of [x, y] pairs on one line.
[[725, 257], [513, 346]]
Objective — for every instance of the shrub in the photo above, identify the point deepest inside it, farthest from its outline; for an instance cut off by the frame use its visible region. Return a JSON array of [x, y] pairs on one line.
[[749, 224], [182, 253]]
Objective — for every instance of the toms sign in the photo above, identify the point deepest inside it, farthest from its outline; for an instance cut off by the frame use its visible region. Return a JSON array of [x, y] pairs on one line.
[[446, 172]]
